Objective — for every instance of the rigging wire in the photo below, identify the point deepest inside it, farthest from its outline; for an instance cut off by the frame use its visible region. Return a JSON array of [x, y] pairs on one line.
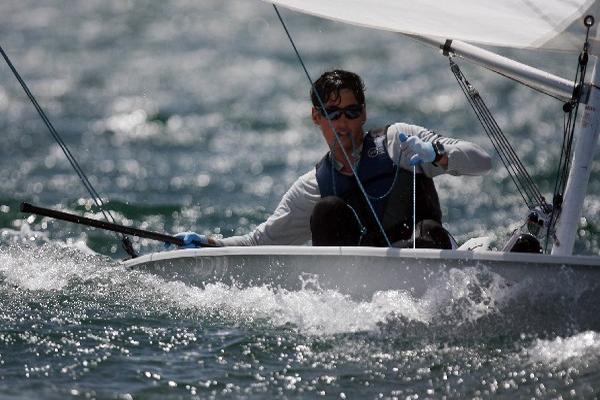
[[72, 160], [515, 168], [337, 138], [517, 171]]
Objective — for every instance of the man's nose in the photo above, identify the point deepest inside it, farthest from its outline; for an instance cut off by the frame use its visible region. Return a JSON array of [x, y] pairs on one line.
[[341, 123]]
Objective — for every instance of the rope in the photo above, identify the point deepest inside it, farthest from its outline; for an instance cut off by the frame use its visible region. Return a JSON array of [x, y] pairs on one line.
[[84, 179], [57, 137], [337, 138], [515, 168]]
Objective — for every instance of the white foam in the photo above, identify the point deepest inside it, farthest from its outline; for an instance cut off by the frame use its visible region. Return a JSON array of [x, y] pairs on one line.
[[578, 348], [467, 294], [330, 312], [27, 264], [310, 311]]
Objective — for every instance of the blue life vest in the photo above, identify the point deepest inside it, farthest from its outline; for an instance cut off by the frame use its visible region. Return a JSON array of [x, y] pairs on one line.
[[389, 189]]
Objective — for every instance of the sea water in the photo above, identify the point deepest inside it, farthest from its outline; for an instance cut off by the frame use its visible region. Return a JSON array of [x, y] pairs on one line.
[[195, 116]]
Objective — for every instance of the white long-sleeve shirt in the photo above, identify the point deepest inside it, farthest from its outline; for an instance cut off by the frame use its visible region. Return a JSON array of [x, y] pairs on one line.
[[290, 223]]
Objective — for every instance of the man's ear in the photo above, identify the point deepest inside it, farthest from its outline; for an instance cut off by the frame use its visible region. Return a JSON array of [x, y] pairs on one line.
[[316, 116]]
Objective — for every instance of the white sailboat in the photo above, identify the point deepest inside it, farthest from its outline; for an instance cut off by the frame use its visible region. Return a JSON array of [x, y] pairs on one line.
[[454, 26]]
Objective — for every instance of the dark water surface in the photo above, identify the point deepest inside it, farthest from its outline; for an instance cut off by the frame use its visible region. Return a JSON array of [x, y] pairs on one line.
[[195, 116]]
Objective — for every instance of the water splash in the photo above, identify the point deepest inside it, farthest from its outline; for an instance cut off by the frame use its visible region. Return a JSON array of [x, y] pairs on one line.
[[578, 350], [468, 301]]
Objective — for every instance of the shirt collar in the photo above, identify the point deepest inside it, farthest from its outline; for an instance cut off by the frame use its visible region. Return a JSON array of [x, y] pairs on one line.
[[355, 155]]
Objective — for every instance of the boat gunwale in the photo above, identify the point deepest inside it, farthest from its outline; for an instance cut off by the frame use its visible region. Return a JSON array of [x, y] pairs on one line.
[[356, 251]]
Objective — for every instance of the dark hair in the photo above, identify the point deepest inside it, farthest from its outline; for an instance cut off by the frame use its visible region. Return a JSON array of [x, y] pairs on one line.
[[331, 82]]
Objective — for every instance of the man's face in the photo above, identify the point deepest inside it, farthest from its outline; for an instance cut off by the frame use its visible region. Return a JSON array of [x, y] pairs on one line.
[[348, 129]]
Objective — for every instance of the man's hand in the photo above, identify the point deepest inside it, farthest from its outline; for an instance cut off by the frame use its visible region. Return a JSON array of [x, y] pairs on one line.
[[192, 240], [423, 151]]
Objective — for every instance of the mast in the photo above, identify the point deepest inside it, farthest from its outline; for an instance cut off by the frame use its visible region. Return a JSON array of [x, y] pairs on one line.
[[586, 139]]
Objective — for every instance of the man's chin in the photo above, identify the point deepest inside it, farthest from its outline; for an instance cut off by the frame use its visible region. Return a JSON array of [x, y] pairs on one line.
[[338, 150], [347, 145]]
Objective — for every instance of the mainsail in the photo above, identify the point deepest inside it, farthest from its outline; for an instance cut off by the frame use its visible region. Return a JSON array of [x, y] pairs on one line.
[[547, 24]]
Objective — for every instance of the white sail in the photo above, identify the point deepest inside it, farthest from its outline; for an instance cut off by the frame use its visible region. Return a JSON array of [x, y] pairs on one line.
[[548, 24]]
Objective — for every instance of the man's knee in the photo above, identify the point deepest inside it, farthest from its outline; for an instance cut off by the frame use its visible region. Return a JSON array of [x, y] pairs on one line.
[[333, 223], [431, 234]]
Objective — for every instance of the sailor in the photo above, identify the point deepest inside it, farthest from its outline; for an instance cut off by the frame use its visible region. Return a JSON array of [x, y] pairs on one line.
[[361, 191]]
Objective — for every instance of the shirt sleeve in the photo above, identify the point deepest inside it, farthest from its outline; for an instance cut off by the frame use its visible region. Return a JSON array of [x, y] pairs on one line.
[[290, 223], [464, 158]]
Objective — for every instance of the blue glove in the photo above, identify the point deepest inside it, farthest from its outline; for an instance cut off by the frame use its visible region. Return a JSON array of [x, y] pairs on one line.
[[423, 151], [192, 240]]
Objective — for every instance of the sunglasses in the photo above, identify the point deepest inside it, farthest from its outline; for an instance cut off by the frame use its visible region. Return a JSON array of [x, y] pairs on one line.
[[351, 112]]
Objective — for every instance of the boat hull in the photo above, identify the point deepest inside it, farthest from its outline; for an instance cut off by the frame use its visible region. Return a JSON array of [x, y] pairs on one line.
[[357, 271]]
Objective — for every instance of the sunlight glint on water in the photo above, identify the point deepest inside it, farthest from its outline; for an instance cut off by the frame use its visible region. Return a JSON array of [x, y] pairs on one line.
[[195, 116]]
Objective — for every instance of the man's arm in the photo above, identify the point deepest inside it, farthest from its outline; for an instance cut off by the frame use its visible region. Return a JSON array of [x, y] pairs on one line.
[[290, 223], [461, 158]]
